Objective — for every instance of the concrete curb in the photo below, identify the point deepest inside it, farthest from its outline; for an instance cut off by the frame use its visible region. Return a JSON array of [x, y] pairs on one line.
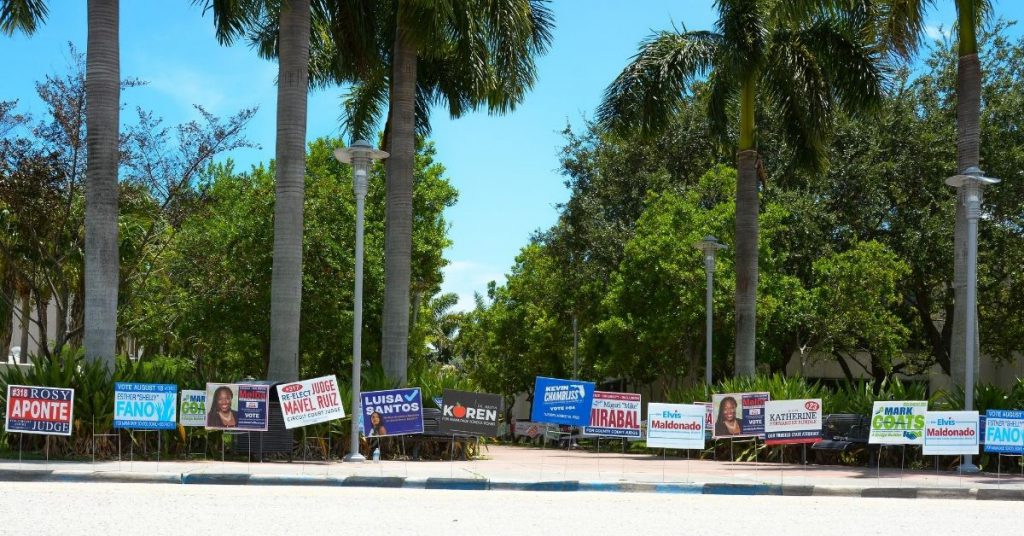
[[294, 480], [481, 484]]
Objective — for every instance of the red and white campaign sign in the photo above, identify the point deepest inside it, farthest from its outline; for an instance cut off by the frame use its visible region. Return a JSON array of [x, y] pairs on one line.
[[709, 418], [310, 401], [614, 414], [39, 410], [792, 421]]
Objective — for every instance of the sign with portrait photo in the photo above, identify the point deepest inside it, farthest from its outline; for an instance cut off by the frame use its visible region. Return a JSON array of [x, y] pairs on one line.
[[738, 414], [237, 406], [392, 412]]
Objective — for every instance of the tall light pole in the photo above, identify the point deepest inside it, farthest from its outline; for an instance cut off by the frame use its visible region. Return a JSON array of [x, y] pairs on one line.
[[361, 154], [970, 184], [709, 246]]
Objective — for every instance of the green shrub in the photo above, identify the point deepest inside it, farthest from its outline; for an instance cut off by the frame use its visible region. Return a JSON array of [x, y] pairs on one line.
[[94, 396]]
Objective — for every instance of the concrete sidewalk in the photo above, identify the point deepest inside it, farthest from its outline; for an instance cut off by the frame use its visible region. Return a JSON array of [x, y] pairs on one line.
[[526, 468]]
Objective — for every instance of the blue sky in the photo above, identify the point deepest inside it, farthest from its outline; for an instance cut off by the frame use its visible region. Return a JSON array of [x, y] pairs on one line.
[[504, 167]]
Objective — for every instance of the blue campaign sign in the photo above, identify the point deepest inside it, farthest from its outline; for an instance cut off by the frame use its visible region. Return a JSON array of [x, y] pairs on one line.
[[392, 412], [145, 406], [557, 401], [1004, 431]]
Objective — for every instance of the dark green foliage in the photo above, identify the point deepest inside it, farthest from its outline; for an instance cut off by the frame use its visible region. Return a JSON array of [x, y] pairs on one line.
[[94, 397]]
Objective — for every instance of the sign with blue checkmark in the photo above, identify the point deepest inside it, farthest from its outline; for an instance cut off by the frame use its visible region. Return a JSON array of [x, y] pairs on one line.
[[392, 412]]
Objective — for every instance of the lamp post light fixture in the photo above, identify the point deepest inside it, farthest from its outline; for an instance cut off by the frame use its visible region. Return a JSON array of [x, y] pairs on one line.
[[970, 183], [361, 154], [709, 246]]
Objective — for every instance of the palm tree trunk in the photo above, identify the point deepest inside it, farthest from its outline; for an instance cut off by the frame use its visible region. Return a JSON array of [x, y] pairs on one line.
[[26, 313], [286, 282], [7, 309], [61, 328], [42, 306], [102, 261], [398, 218], [968, 153], [746, 236]]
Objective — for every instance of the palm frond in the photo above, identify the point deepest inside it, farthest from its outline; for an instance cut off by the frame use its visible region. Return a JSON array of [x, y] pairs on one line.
[[323, 58], [723, 95], [447, 81], [856, 72], [542, 23], [361, 34], [899, 25], [364, 105], [793, 80], [234, 18], [423, 104], [745, 26], [22, 15], [516, 31], [809, 71], [651, 88]]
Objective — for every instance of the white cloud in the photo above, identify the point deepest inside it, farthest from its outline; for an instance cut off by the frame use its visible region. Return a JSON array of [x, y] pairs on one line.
[[188, 87], [936, 31], [219, 92], [465, 277]]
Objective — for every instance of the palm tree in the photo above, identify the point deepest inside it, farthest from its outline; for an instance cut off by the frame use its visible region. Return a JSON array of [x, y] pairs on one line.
[[102, 260], [465, 53], [968, 154], [286, 282], [900, 28], [102, 97], [799, 65], [233, 19]]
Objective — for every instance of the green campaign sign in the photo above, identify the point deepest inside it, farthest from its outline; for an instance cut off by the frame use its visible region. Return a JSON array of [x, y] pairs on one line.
[[899, 422], [193, 408]]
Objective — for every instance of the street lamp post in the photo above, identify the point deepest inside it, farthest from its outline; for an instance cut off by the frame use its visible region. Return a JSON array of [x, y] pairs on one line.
[[361, 154], [970, 184], [709, 246]]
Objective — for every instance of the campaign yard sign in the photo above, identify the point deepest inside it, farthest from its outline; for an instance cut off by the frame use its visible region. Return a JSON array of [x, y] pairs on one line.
[[528, 429], [145, 406], [1004, 431], [193, 408], [709, 419], [237, 406], [312, 401], [392, 412], [950, 432], [615, 415], [738, 414], [792, 421], [39, 410], [675, 426], [463, 412], [558, 401], [899, 422]]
